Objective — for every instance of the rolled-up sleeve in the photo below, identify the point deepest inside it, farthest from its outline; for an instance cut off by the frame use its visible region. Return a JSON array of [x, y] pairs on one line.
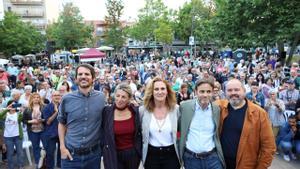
[[62, 116]]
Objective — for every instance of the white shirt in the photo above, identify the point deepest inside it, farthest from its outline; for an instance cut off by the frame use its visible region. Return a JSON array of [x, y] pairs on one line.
[[47, 94], [201, 131], [23, 100], [11, 125], [160, 132]]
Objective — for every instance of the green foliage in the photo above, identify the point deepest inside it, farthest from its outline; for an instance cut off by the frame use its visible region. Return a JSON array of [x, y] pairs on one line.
[[256, 22], [69, 31], [114, 34], [18, 37], [164, 33], [154, 23], [194, 19]]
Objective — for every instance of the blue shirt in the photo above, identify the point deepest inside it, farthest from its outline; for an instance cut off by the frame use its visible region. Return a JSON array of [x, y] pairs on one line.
[[52, 129], [200, 136], [82, 116], [13, 70], [260, 99]]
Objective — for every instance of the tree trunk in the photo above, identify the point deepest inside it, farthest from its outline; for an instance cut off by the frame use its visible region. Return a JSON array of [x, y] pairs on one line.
[[282, 54], [293, 47]]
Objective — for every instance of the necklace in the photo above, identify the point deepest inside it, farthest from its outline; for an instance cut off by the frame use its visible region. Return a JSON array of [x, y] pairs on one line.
[[160, 124]]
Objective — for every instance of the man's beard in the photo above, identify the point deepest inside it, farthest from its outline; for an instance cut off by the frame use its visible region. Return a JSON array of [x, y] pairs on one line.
[[235, 102]]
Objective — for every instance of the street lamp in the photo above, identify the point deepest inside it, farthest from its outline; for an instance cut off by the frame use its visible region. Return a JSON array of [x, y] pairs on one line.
[[192, 38]]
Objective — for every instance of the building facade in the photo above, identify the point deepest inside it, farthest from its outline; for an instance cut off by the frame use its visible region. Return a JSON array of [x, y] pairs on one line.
[[100, 27], [33, 11]]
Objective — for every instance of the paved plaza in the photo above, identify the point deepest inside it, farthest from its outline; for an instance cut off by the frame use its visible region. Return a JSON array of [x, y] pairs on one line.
[[278, 163]]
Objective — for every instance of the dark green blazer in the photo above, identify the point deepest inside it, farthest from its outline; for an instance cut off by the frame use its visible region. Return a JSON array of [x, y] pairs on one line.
[[187, 111]]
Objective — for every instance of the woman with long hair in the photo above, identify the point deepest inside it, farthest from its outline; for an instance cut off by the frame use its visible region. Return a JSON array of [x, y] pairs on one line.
[[159, 116], [32, 117], [122, 132], [260, 78]]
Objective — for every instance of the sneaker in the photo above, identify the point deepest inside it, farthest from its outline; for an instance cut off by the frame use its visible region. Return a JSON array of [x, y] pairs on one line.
[[41, 161], [286, 158], [293, 156]]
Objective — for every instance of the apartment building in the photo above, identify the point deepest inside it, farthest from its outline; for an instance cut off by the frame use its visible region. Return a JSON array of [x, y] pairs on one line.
[[33, 11]]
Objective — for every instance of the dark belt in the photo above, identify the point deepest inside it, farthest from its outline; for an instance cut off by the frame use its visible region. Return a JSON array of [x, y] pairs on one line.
[[200, 155], [161, 149], [84, 151]]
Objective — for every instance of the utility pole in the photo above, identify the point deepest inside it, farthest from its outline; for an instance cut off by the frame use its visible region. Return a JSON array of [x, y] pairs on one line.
[[192, 38]]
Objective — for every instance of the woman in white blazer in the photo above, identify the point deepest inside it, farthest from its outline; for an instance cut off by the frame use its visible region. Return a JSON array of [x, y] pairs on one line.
[[159, 116]]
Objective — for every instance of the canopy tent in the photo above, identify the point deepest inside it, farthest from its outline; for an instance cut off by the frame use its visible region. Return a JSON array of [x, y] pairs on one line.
[[105, 48], [240, 54], [3, 61], [31, 56], [17, 57], [82, 50], [92, 55]]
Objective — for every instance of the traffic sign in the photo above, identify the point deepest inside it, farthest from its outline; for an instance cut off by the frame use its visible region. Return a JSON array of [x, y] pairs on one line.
[[191, 40]]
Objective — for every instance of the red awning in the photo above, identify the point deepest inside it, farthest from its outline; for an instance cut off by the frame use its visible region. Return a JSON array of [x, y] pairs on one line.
[[92, 55]]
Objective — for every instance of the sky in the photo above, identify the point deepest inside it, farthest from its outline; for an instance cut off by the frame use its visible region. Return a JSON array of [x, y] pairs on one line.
[[96, 9]]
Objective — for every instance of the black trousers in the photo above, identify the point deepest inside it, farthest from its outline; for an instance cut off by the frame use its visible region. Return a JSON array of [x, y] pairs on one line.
[[161, 158], [128, 159]]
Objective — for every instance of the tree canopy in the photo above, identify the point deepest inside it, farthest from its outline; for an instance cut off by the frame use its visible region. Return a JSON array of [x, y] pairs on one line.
[[114, 35], [69, 31], [18, 37], [154, 23], [252, 23]]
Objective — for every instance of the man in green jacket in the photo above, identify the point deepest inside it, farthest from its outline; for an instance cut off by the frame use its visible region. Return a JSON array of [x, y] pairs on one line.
[[199, 145]]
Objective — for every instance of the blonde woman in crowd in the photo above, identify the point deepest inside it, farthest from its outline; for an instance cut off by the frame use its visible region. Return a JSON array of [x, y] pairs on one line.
[[32, 116], [159, 116]]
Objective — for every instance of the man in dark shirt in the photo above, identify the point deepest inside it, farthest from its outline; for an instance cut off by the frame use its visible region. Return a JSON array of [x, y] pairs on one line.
[[51, 135], [80, 117], [246, 135], [231, 133]]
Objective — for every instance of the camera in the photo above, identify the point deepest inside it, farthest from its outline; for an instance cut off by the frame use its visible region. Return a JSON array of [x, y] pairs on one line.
[[16, 106]]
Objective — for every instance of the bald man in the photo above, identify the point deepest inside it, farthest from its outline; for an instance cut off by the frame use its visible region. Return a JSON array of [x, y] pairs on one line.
[[246, 133]]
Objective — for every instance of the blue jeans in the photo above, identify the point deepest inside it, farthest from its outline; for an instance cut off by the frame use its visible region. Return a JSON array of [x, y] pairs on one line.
[[211, 161], [90, 161], [50, 146], [286, 147], [297, 145], [35, 139], [10, 143]]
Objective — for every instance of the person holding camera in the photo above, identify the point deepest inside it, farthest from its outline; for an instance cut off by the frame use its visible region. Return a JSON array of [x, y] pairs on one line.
[[13, 134], [275, 108]]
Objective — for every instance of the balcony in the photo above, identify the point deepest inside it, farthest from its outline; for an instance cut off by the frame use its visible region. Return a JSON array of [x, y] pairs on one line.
[[27, 2], [30, 14]]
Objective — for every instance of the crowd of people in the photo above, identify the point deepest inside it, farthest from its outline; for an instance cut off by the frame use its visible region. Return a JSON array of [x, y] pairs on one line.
[[164, 113]]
